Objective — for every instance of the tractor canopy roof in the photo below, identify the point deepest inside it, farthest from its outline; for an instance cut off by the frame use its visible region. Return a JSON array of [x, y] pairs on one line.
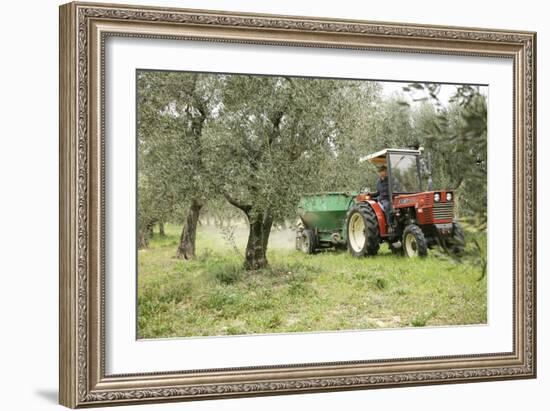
[[379, 158]]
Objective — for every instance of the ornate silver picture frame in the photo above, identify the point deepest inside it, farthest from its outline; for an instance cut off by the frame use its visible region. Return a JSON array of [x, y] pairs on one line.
[[84, 30]]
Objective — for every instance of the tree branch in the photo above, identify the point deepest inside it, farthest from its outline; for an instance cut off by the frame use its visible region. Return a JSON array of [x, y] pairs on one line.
[[275, 120], [244, 207]]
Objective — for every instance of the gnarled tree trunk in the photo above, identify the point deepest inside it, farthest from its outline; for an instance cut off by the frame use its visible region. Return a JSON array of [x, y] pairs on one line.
[[144, 235], [162, 233], [186, 248], [258, 237], [260, 224]]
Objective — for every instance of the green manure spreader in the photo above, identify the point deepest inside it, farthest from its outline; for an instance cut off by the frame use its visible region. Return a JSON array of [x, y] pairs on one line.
[[418, 220], [322, 221]]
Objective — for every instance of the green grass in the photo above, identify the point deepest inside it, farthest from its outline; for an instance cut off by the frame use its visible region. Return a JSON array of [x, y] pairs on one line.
[[214, 295]]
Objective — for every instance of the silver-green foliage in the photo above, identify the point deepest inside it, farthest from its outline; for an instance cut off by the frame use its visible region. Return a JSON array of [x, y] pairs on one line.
[[173, 110], [248, 146]]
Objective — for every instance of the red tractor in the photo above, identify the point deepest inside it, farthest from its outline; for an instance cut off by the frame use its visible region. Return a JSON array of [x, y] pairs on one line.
[[419, 219]]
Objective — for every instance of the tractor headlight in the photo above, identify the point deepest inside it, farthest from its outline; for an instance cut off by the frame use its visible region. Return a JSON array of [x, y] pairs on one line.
[[437, 197], [449, 196]]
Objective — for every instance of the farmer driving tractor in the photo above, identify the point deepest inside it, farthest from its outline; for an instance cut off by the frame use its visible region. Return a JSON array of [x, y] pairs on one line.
[[383, 191], [400, 213]]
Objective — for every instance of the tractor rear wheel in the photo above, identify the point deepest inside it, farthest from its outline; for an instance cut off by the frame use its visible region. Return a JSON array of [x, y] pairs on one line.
[[308, 241], [363, 235], [414, 242]]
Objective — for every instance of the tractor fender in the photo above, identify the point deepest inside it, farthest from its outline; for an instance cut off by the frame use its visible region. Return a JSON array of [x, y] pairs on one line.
[[380, 216]]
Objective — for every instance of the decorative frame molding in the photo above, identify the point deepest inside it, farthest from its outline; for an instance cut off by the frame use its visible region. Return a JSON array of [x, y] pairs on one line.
[[83, 30]]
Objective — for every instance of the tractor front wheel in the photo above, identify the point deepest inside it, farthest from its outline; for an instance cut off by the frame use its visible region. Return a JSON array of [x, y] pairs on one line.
[[414, 242], [457, 242], [363, 236]]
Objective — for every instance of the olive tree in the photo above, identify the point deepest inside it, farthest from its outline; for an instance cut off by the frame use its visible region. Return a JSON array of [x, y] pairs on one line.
[[269, 146], [455, 136], [173, 110]]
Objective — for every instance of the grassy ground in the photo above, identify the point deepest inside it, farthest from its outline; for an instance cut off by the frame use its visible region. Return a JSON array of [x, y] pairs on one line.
[[213, 295]]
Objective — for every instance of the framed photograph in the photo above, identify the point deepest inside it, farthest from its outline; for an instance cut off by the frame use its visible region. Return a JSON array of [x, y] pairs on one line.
[[259, 204]]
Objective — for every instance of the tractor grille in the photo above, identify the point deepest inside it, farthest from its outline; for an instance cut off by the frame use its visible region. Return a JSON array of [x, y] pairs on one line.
[[443, 211]]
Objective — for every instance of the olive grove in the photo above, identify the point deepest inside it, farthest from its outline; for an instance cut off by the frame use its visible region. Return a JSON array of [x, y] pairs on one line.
[[249, 146]]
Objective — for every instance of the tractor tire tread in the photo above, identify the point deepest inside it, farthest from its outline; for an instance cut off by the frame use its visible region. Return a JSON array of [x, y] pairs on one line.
[[418, 234], [457, 242], [371, 226], [312, 241]]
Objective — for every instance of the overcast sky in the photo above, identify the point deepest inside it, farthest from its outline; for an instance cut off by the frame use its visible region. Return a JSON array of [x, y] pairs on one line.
[[390, 88]]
